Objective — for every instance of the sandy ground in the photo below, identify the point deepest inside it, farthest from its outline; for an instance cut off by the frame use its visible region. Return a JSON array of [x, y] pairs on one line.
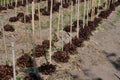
[[97, 53], [93, 61]]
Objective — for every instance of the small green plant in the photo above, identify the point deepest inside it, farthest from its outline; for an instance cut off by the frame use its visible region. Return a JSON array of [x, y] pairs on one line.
[[118, 13], [19, 78], [29, 28], [59, 49], [31, 52]]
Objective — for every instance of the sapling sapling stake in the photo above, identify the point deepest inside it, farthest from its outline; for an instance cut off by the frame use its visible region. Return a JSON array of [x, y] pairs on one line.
[[25, 13], [106, 4], [27, 6], [22, 1], [71, 15], [76, 9], [4, 41], [26, 31], [91, 10], [33, 26], [92, 13], [78, 17], [39, 23], [112, 1], [58, 28], [40, 33], [46, 5], [87, 16], [13, 59], [84, 13], [61, 7], [10, 2], [50, 27], [12, 40], [94, 4], [99, 4], [4, 3], [15, 7], [1, 3]]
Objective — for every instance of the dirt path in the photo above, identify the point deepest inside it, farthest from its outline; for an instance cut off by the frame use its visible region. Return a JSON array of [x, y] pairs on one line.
[[101, 52]]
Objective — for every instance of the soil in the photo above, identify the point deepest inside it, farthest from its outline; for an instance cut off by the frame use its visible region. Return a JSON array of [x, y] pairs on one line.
[[32, 76]]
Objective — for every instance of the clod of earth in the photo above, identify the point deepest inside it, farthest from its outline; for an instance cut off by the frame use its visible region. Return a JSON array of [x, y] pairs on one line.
[[25, 61], [61, 56], [47, 68], [9, 28]]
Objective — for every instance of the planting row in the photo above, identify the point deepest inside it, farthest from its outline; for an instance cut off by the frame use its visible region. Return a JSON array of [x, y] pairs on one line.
[[12, 5], [56, 6], [44, 11]]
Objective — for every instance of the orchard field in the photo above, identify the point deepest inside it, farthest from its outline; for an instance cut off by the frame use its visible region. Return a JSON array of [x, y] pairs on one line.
[[59, 40]]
